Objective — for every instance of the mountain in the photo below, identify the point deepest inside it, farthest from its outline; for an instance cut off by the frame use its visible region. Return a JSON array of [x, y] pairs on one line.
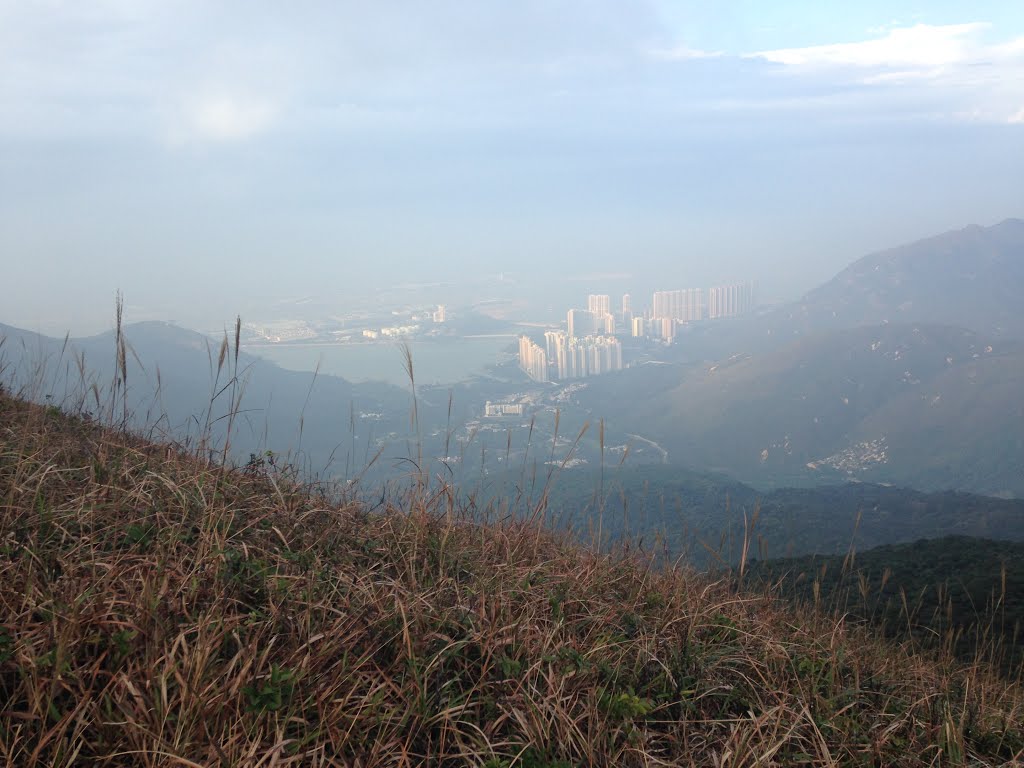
[[925, 406], [174, 391], [972, 278], [905, 368]]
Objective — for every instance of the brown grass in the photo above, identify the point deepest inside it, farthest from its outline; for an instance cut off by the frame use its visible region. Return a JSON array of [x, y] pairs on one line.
[[156, 610]]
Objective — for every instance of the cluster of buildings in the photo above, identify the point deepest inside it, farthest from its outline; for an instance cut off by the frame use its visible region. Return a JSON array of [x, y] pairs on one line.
[[672, 309], [589, 346], [436, 316], [573, 357], [569, 357]]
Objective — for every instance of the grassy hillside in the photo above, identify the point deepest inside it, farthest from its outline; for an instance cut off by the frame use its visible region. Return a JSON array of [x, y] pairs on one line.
[[964, 592], [925, 406], [158, 610]]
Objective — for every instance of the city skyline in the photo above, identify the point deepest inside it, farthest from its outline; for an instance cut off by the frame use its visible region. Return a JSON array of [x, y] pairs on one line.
[[588, 346]]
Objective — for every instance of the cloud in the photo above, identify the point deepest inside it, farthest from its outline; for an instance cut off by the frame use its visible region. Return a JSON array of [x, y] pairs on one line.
[[950, 71], [1017, 117], [229, 118], [919, 46]]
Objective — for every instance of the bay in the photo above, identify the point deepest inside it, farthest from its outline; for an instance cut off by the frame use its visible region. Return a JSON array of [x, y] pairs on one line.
[[435, 361]]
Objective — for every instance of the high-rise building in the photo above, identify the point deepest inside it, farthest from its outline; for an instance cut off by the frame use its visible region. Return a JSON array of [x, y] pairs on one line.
[[533, 359], [638, 327], [664, 328], [627, 304], [581, 322], [576, 357], [551, 341], [730, 300], [440, 314], [599, 304], [686, 305]]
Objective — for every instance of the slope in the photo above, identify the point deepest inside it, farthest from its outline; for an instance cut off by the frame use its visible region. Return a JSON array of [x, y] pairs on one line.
[[157, 609], [927, 406]]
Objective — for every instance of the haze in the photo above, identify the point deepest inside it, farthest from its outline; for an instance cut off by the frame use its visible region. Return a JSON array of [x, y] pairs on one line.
[[207, 158]]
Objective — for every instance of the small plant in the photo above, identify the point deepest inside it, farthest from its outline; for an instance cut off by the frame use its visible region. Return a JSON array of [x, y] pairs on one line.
[[625, 706], [510, 668], [272, 693]]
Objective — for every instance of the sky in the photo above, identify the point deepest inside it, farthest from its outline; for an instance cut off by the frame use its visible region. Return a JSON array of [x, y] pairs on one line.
[[211, 157]]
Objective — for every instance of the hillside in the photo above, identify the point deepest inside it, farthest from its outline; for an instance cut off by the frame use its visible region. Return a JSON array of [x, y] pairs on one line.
[[968, 278], [156, 609], [927, 406], [966, 592], [972, 278]]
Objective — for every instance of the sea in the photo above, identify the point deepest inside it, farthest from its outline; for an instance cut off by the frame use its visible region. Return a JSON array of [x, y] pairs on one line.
[[438, 361]]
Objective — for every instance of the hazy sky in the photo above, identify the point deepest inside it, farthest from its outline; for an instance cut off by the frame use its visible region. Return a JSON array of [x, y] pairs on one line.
[[199, 155]]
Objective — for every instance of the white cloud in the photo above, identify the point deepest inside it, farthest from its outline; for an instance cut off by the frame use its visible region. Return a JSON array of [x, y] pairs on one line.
[[1017, 117], [922, 46], [953, 68], [228, 118]]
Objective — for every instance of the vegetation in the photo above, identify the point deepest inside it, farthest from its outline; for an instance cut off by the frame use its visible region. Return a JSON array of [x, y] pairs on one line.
[[961, 594], [161, 609], [705, 517]]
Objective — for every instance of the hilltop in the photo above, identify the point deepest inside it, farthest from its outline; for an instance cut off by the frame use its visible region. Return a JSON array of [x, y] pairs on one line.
[[159, 609], [971, 277]]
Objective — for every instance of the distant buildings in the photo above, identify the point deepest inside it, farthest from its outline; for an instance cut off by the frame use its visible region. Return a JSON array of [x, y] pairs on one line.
[[399, 331], [663, 328], [440, 314], [581, 322], [571, 357], [588, 347], [533, 359], [730, 300], [599, 304], [686, 305], [497, 410]]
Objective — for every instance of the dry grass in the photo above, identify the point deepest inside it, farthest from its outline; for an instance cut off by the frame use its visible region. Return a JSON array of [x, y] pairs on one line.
[[159, 610]]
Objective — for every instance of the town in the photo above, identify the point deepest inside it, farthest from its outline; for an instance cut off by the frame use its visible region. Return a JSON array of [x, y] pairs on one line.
[[590, 344]]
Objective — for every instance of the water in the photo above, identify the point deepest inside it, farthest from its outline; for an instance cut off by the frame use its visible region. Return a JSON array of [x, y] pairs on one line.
[[435, 361]]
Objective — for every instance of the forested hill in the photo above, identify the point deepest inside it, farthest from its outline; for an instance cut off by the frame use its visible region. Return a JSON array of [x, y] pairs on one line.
[[705, 515], [965, 592]]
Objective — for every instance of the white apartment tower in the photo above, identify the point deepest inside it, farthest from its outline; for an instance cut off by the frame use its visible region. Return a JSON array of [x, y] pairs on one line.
[[533, 359], [730, 300], [599, 304], [686, 305]]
